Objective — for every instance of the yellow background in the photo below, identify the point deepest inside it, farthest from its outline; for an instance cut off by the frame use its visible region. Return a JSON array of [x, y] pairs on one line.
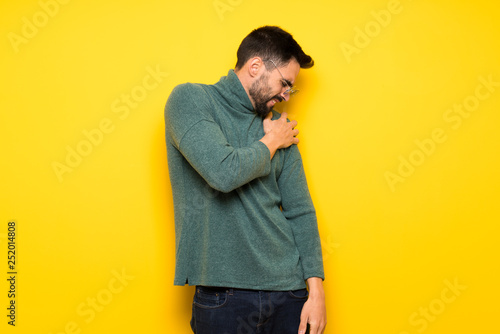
[[389, 249]]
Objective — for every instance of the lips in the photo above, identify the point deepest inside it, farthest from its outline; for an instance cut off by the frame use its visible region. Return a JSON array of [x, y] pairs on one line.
[[276, 99]]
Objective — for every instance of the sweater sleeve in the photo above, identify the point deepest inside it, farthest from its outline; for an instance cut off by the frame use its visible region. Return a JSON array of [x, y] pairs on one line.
[[193, 131], [299, 211]]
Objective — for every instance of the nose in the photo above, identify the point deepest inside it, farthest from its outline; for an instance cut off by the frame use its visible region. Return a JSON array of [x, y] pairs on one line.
[[285, 96]]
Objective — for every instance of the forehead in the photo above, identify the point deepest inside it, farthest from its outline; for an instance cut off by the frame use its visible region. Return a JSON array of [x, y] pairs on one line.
[[291, 70]]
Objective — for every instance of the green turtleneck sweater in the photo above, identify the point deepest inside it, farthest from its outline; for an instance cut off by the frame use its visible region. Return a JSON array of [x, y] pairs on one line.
[[242, 220]]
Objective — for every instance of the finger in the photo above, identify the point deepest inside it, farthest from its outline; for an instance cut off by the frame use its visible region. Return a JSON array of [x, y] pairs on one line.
[[313, 329], [295, 132], [302, 326], [284, 115], [293, 123], [269, 115]]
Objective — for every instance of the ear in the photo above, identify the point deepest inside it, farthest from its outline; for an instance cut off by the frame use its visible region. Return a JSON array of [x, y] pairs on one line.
[[254, 66]]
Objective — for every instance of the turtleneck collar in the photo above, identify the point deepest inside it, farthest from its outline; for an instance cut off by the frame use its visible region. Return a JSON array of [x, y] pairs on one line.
[[232, 90]]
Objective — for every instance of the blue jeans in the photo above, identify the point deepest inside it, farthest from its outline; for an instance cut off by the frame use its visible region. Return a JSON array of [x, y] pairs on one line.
[[236, 311]]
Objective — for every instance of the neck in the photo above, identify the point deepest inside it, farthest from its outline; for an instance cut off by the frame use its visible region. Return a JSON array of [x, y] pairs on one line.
[[246, 82]]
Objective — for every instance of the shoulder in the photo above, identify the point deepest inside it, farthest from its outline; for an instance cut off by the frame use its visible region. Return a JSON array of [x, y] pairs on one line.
[[187, 97], [187, 104], [187, 91], [276, 115]]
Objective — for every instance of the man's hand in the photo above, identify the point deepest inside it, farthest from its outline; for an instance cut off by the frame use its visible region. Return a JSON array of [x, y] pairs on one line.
[[314, 310], [279, 133]]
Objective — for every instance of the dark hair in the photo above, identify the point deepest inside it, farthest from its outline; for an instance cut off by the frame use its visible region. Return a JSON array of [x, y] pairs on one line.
[[271, 42]]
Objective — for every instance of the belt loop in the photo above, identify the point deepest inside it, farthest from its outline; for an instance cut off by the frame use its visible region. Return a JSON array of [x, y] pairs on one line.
[[230, 291]]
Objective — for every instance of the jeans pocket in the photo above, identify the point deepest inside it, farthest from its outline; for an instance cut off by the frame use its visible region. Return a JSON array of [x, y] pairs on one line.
[[299, 294], [210, 297]]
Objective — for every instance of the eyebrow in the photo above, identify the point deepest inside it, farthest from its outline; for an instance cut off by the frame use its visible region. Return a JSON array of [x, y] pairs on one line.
[[288, 82]]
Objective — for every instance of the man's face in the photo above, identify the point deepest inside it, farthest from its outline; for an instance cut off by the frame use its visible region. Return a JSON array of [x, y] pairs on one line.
[[270, 87]]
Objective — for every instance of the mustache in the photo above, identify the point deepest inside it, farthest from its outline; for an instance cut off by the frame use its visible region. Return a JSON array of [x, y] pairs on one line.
[[277, 97]]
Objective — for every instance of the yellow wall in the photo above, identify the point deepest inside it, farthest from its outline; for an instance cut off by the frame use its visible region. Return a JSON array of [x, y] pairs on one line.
[[399, 134]]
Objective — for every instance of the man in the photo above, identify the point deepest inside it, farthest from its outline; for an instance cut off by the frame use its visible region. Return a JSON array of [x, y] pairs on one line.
[[246, 230]]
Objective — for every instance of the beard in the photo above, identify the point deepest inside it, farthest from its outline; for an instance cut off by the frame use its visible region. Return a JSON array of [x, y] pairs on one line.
[[259, 91]]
